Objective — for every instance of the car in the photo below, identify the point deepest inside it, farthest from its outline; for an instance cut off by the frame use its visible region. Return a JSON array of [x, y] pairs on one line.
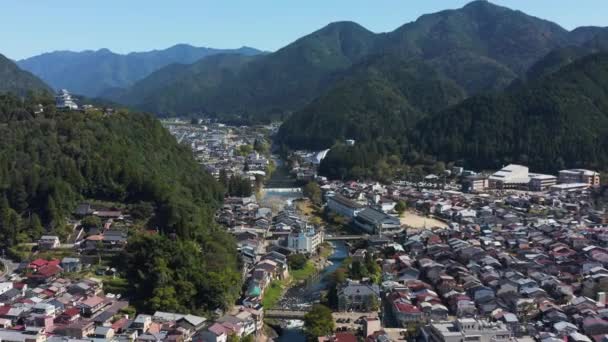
[[348, 320]]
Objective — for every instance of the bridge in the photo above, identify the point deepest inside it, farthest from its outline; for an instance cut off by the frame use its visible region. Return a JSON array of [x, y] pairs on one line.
[[286, 190], [284, 314], [346, 237]]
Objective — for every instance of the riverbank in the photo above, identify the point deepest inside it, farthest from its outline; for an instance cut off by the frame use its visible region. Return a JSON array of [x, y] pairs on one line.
[[277, 288]]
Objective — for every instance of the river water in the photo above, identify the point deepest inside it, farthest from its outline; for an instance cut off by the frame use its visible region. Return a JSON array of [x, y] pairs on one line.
[[300, 296]]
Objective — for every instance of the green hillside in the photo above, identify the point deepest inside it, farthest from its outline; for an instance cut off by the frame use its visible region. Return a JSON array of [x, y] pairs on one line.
[[17, 81], [51, 161]]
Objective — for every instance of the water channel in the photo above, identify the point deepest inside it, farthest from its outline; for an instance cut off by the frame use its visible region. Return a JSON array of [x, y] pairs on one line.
[[304, 295]]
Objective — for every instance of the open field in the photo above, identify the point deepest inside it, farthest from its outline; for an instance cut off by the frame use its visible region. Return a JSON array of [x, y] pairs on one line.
[[418, 221]]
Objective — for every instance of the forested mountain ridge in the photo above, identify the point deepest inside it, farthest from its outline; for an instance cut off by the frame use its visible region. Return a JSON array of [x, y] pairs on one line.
[[381, 98], [183, 82], [557, 121], [93, 73], [51, 161], [270, 84], [17, 81], [482, 47]]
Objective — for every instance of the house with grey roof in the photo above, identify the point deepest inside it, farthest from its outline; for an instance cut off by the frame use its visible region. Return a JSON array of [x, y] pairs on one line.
[[358, 296]]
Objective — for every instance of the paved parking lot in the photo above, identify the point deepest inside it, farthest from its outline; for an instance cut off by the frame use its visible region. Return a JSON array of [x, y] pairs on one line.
[[353, 316]]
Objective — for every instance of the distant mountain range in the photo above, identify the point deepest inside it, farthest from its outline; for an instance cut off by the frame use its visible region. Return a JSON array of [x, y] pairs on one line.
[[481, 47], [17, 81], [93, 73]]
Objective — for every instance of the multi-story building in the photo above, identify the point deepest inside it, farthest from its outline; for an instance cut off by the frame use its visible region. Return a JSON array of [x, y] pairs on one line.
[[540, 182], [466, 329], [343, 206], [358, 296], [373, 221], [475, 183], [579, 176], [510, 177], [305, 241]]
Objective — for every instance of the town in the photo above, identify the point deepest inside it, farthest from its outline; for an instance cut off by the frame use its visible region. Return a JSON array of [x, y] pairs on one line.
[[499, 256]]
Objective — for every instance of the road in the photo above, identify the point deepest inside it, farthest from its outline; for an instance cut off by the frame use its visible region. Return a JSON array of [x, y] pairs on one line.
[[9, 268]]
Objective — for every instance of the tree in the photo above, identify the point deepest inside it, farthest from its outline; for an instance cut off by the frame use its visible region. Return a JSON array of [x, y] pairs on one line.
[[297, 261], [223, 178], [233, 338], [248, 338], [141, 210], [313, 191], [400, 207], [357, 270], [319, 321], [374, 304], [261, 146], [91, 222], [36, 229]]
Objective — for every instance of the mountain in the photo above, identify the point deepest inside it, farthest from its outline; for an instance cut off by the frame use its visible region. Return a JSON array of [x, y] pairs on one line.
[[272, 83], [51, 161], [91, 73], [178, 85], [482, 47], [561, 57], [559, 120], [17, 81], [379, 99]]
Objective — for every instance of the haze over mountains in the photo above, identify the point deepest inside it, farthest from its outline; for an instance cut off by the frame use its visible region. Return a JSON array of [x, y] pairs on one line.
[[92, 73]]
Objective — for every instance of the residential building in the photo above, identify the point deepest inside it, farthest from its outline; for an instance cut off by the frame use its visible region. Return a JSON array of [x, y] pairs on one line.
[[20, 336], [48, 242], [589, 177]]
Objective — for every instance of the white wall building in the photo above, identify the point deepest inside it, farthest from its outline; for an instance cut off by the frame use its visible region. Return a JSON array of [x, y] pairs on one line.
[[589, 177], [466, 329], [63, 100], [540, 182], [306, 241], [509, 177]]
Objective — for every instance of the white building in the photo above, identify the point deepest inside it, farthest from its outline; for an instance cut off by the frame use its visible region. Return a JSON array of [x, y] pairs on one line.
[[509, 177], [466, 329], [306, 241], [589, 177], [5, 286], [63, 100]]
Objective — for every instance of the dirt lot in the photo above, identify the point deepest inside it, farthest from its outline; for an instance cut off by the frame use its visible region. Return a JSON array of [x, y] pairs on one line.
[[418, 221]]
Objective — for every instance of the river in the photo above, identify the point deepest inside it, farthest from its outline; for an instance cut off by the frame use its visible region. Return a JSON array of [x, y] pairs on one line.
[[310, 291]]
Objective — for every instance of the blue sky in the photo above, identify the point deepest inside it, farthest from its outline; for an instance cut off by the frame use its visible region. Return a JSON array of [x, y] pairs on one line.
[[30, 27]]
